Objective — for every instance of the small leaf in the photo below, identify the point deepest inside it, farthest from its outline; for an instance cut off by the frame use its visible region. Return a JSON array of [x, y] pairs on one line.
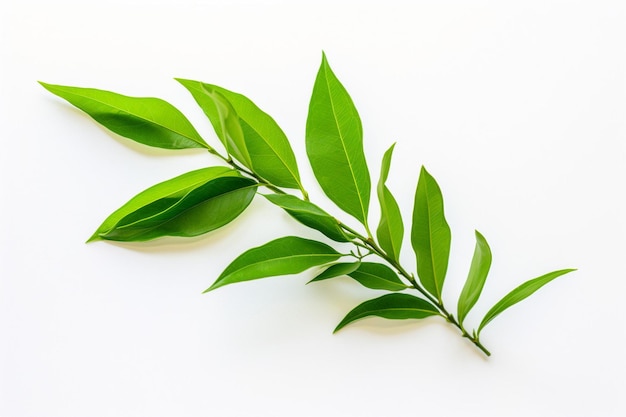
[[336, 270], [481, 262], [430, 234], [309, 215], [334, 145], [284, 256], [192, 211], [391, 306], [378, 277], [520, 293], [150, 121], [390, 229]]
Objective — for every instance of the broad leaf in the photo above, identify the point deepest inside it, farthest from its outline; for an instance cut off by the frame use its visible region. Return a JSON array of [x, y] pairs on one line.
[[430, 234], [390, 229], [334, 145], [481, 262], [284, 256], [269, 150], [336, 270], [191, 212], [147, 120], [391, 306], [378, 277], [310, 215], [520, 293]]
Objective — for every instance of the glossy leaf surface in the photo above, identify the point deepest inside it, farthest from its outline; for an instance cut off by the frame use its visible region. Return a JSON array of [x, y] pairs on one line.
[[334, 145], [283, 256], [481, 262], [390, 229], [520, 293], [259, 141], [378, 277], [310, 215], [336, 270], [430, 234], [391, 306], [146, 120]]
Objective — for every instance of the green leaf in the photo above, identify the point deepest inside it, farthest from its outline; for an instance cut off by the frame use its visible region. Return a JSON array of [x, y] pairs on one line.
[[188, 205], [336, 270], [334, 145], [390, 229], [150, 121], [309, 215], [378, 277], [391, 306], [481, 262], [520, 293], [284, 256], [430, 234], [265, 143]]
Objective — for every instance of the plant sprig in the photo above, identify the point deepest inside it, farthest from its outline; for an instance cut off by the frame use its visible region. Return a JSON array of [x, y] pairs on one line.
[[257, 155]]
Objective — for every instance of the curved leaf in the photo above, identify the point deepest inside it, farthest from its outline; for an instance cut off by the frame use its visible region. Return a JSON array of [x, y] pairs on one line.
[[334, 145], [336, 270], [520, 293], [430, 234], [196, 211], [390, 229], [147, 120], [391, 306], [309, 215], [481, 262], [378, 277], [284, 256], [269, 151]]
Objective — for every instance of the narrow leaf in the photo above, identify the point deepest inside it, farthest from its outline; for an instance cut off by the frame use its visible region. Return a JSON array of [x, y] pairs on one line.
[[390, 229], [391, 306], [520, 293], [481, 262], [309, 215], [336, 270], [430, 234], [334, 145], [284, 256], [378, 277], [150, 121]]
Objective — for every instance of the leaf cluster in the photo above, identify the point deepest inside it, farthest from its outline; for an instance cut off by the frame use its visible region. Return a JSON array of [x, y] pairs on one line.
[[256, 158]]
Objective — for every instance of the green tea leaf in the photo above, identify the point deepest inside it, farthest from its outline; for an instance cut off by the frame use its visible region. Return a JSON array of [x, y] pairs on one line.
[[378, 277], [390, 229], [150, 121], [269, 150], [334, 145], [481, 262], [391, 306], [283, 256], [191, 212], [309, 215], [520, 293], [336, 270], [430, 234]]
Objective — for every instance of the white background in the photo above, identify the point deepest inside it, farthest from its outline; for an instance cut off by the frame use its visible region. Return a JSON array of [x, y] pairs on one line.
[[517, 108]]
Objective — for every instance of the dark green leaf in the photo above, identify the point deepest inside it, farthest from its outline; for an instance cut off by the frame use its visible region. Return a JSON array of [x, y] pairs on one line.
[[430, 234], [481, 262], [192, 211], [150, 121], [284, 256], [336, 270], [378, 277], [334, 145], [310, 215], [390, 229], [520, 293], [391, 306]]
